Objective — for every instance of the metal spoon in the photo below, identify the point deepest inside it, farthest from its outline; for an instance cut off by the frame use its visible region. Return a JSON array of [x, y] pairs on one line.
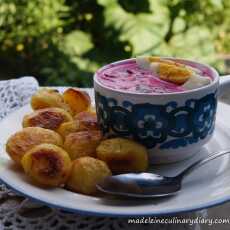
[[147, 185]]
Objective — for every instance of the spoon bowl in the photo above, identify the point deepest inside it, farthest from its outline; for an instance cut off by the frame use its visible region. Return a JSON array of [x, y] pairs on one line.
[[140, 185]]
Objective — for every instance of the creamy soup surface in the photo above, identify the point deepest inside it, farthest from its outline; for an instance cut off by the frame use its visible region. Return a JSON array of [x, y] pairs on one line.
[[129, 77]]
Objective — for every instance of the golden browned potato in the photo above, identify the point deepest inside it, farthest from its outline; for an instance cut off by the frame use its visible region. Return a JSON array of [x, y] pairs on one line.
[[82, 143], [123, 155], [92, 110], [77, 100], [46, 98], [68, 127], [24, 140], [48, 118], [47, 165], [82, 121], [87, 121], [86, 115], [86, 173]]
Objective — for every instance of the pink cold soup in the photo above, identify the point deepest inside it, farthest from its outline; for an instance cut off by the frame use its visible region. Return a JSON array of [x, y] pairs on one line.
[[129, 77]]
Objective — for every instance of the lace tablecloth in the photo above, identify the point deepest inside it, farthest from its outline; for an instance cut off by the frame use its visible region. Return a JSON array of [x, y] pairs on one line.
[[17, 212]]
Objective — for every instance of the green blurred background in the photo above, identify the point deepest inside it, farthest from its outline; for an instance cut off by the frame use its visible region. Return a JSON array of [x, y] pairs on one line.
[[63, 42]]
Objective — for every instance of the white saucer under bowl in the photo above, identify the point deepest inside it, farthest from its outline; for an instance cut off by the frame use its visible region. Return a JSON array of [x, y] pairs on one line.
[[205, 187]]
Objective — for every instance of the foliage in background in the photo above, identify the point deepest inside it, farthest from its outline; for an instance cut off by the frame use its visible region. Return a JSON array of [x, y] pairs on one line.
[[63, 42]]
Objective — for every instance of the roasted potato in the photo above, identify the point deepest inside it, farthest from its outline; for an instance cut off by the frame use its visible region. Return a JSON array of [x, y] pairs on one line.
[[82, 143], [77, 100], [48, 118], [86, 115], [87, 121], [86, 173], [82, 122], [92, 110], [68, 127], [123, 155], [47, 165], [24, 140], [46, 98]]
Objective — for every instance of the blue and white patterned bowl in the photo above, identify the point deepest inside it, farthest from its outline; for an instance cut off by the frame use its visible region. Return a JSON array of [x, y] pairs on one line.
[[173, 126]]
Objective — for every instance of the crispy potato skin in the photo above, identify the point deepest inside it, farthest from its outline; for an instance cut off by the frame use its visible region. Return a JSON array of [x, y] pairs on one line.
[[82, 143], [87, 121], [86, 173], [83, 121], [91, 110], [46, 98], [123, 155], [86, 116], [47, 165], [48, 118], [24, 140], [68, 127], [77, 100]]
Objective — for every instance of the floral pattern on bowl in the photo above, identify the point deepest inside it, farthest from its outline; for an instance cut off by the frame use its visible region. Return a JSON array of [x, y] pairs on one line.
[[168, 126]]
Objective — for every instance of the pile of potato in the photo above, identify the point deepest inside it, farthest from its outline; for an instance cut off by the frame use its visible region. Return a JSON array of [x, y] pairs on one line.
[[61, 144]]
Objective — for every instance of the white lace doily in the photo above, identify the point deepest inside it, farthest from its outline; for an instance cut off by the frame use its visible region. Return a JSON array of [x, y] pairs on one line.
[[17, 212]]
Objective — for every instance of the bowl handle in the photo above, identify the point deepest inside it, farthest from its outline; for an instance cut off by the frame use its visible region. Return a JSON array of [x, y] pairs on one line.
[[224, 84]]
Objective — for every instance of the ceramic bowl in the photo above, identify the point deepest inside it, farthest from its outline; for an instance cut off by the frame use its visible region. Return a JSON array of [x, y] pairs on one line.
[[173, 126]]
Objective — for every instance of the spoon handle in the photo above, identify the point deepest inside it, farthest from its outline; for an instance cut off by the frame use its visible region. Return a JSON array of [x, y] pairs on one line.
[[202, 162]]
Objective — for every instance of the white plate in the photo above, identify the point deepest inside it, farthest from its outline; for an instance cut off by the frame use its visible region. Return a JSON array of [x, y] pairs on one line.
[[205, 187]]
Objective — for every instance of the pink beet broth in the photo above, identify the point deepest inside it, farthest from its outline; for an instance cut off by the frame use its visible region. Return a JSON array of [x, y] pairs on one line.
[[127, 76]]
